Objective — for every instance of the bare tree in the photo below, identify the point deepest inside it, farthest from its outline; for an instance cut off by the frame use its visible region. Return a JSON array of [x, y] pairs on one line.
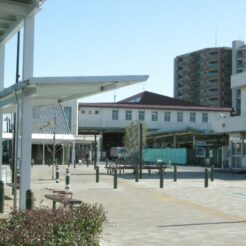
[[131, 138]]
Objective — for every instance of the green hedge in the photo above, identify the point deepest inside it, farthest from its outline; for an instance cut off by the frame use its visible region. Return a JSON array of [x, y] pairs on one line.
[[79, 226]]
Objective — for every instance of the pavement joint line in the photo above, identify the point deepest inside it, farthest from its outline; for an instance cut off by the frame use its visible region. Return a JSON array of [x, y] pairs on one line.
[[210, 211]]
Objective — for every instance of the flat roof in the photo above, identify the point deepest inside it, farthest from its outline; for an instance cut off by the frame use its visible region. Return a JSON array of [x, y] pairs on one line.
[[51, 90]]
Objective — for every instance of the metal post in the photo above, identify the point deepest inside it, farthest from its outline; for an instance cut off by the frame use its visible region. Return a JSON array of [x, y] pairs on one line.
[[212, 173], [140, 150], [57, 174], [106, 162], [67, 187], [174, 173], [161, 176], [115, 178], [206, 178], [136, 173], [95, 151], [97, 174], [29, 200], [1, 197]]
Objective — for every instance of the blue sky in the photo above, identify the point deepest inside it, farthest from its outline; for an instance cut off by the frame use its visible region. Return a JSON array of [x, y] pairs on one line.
[[124, 37]]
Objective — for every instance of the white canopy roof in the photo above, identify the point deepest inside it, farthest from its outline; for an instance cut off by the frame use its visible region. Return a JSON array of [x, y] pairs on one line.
[[51, 90], [12, 14]]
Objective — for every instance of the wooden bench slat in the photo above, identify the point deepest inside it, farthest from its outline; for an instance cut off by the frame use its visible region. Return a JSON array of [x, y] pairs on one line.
[[61, 198]]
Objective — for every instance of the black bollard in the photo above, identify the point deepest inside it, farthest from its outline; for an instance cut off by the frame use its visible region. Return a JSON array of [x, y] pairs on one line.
[[161, 176], [136, 174], [29, 200], [97, 174], [1, 197], [174, 173], [115, 178], [57, 174], [206, 178], [212, 173], [67, 187]]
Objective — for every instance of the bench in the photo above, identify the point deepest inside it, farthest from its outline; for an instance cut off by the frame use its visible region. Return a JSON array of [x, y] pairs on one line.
[[112, 167], [62, 197]]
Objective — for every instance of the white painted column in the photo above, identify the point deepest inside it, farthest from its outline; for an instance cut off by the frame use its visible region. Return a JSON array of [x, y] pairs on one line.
[[63, 154], [26, 149], [73, 153], [28, 47], [98, 148], [26, 112], [2, 60], [230, 153]]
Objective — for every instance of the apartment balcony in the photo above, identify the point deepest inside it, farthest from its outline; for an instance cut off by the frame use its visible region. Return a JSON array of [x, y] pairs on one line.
[[213, 66]]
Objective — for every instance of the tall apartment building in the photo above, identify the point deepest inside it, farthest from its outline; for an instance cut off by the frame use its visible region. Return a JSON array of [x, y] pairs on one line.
[[238, 66], [203, 76]]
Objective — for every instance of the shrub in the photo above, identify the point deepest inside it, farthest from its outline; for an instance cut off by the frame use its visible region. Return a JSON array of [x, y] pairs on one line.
[[78, 226]]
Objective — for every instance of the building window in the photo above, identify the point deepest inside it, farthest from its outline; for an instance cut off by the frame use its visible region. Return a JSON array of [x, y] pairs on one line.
[[205, 117], [154, 116], [192, 117], [68, 115], [141, 115], [115, 114], [128, 115], [167, 116], [180, 117], [96, 112], [82, 111]]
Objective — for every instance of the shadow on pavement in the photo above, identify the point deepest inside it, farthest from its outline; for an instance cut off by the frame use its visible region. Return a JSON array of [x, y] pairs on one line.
[[203, 224]]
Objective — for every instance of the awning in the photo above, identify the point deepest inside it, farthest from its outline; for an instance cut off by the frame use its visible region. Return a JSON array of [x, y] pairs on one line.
[[52, 90]]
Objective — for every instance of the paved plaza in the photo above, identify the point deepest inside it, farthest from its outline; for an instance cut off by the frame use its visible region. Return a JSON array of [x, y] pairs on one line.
[[182, 213]]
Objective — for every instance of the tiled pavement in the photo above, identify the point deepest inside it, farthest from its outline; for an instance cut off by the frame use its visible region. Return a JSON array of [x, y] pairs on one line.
[[183, 213]]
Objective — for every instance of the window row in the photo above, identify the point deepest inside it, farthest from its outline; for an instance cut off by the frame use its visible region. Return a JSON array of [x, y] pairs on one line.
[[154, 116], [89, 111]]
